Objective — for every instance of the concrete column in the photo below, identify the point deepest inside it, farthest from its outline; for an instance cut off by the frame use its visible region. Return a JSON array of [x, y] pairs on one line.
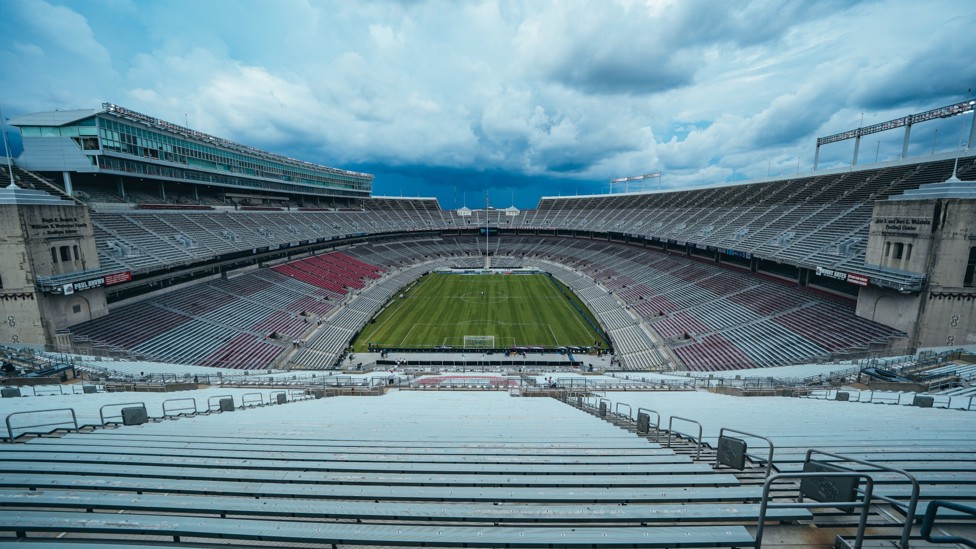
[[816, 158], [857, 147], [67, 183]]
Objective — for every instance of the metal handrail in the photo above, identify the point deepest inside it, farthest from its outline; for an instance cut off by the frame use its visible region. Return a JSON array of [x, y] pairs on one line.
[[260, 400], [657, 422], [10, 432], [912, 503], [929, 521], [671, 421], [166, 410], [865, 504], [210, 406], [630, 411], [769, 460], [101, 411]]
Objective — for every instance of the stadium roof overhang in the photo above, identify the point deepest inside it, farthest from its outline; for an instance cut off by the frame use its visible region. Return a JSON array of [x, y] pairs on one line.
[[53, 118]]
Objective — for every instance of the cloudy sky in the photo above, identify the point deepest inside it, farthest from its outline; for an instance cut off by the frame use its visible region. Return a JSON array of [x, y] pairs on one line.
[[520, 98]]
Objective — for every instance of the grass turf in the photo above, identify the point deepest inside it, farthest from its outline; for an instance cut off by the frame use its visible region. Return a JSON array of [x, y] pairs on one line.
[[517, 310]]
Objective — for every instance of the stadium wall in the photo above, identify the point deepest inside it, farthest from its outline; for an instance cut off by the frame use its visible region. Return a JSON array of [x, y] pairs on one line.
[[932, 237], [45, 240]]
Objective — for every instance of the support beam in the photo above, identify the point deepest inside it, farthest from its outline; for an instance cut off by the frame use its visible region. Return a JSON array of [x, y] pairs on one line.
[[904, 145], [67, 183], [972, 132]]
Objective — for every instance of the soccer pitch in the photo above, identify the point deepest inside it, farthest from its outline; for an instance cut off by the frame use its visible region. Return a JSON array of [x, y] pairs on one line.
[[474, 311]]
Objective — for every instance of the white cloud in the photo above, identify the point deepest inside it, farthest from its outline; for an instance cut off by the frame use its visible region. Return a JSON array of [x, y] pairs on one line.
[[584, 90], [65, 29]]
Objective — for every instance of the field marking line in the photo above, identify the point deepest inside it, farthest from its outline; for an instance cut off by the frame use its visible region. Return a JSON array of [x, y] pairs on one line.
[[391, 315], [407, 335], [554, 338], [576, 314]]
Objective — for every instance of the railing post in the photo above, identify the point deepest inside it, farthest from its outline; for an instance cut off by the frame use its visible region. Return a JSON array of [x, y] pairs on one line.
[[769, 461], [671, 421], [865, 504], [912, 502]]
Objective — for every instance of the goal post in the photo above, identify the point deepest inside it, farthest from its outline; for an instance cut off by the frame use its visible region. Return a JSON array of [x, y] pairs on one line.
[[479, 342]]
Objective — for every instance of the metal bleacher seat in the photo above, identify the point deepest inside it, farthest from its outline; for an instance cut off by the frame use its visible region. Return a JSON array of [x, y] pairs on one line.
[[436, 476]]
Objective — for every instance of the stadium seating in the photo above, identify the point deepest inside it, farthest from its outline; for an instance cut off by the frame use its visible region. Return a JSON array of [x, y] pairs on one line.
[[421, 469], [711, 317], [245, 322]]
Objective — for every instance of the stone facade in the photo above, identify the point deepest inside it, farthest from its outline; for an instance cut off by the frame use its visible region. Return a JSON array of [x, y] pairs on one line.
[[933, 236], [38, 240]]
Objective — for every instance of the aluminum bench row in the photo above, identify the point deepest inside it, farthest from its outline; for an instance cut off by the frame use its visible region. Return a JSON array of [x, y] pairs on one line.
[[337, 459], [630, 446], [358, 534], [221, 472], [383, 511], [582, 469], [112, 524], [512, 494]]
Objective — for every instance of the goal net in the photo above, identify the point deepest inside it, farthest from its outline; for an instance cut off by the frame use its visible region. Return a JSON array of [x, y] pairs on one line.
[[479, 342]]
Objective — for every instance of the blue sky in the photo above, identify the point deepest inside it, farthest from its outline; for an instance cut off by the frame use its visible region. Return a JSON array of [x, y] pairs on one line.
[[519, 98]]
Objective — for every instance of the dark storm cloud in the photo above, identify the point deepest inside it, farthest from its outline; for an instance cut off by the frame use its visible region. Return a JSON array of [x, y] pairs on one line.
[[942, 71], [637, 50], [535, 97]]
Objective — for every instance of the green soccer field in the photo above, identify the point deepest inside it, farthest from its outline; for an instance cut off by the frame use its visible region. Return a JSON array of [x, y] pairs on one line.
[[481, 311]]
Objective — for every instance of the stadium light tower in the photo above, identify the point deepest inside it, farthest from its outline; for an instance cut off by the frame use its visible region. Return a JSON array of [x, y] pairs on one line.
[[954, 178], [906, 122]]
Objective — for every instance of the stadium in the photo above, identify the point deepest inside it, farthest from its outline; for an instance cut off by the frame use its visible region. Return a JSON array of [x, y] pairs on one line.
[[589, 372]]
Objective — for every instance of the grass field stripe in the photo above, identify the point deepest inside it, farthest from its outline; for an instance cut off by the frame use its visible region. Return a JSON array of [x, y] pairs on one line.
[[398, 305], [573, 311], [516, 309]]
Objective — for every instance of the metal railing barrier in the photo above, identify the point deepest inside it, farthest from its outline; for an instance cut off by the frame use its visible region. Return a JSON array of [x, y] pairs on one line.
[[247, 399], [720, 458], [630, 411], [657, 421], [103, 417], [167, 409], [210, 402], [912, 502], [929, 521], [699, 441], [10, 431], [864, 504]]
